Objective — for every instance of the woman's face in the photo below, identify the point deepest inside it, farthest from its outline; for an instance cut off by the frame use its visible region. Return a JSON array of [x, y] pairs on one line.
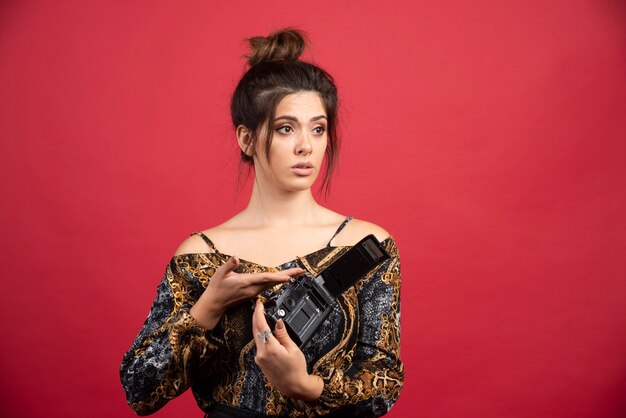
[[299, 136]]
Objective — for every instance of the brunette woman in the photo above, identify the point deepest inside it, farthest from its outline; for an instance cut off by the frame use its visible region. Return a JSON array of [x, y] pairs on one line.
[[207, 329]]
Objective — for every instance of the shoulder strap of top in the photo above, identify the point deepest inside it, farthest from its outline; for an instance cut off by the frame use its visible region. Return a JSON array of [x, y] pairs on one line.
[[345, 221], [206, 239]]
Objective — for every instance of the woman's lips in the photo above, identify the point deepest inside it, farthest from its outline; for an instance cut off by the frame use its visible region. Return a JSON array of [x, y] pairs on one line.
[[301, 171]]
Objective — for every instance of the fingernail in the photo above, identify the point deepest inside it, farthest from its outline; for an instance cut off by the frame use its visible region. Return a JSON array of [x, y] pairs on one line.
[[280, 324], [233, 260]]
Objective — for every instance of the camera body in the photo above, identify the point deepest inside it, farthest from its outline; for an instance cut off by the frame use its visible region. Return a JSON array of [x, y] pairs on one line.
[[304, 304]]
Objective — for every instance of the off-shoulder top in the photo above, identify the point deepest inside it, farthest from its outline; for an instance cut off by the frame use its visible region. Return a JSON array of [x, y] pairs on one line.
[[356, 351]]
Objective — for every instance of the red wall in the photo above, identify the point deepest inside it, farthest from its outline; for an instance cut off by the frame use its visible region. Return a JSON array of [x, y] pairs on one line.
[[487, 137]]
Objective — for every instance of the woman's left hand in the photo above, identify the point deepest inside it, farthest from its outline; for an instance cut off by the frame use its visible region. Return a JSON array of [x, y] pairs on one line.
[[282, 361]]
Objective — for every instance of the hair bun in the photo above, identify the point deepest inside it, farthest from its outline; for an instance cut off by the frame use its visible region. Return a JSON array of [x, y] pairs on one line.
[[283, 44]]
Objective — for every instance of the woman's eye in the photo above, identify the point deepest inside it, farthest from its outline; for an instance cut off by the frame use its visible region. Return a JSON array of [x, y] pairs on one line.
[[319, 129], [285, 129]]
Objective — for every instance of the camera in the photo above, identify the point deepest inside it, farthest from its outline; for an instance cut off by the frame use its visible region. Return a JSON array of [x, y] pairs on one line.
[[304, 304]]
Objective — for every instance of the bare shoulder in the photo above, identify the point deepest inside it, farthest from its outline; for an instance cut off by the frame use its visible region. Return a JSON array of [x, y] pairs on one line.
[[356, 229], [193, 244]]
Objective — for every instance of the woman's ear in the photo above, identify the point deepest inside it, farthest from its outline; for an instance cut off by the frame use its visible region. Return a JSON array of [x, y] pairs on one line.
[[244, 138]]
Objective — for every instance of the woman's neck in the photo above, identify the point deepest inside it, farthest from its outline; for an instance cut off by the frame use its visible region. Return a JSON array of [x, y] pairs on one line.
[[272, 207]]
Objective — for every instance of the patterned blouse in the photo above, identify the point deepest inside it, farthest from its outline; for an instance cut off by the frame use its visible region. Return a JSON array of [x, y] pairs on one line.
[[356, 351]]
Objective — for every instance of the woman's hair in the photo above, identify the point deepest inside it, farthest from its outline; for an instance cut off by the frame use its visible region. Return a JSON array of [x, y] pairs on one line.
[[275, 72]]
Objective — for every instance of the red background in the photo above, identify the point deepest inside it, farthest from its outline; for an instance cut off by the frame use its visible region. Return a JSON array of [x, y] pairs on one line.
[[486, 136]]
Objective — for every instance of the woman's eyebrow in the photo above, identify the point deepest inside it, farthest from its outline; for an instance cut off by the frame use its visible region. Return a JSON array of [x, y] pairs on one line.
[[295, 119]]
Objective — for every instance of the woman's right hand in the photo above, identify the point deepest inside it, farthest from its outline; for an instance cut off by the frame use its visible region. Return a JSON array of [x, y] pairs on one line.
[[226, 288]]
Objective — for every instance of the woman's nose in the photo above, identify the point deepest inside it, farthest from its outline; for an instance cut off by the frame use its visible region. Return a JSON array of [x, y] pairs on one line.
[[304, 144]]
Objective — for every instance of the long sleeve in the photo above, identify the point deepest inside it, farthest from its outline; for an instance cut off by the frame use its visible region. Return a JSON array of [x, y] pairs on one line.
[[370, 384], [171, 347]]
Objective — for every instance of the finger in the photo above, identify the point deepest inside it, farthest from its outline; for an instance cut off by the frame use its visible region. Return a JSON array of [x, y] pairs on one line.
[[265, 278], [256, 290], [259, 323], [294, 270], [260, 326], [282, 336]]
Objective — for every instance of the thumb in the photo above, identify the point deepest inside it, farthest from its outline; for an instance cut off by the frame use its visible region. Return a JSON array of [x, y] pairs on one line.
[[228, 266], [281, 334]]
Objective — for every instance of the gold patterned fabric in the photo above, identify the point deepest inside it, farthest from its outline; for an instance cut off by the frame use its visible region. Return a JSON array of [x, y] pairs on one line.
[[356, 351]]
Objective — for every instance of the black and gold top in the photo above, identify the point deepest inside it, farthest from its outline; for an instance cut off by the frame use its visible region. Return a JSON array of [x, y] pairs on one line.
[[356, 351]]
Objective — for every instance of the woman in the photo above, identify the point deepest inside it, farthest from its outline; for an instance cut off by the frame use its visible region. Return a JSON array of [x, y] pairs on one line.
[[202, 332]]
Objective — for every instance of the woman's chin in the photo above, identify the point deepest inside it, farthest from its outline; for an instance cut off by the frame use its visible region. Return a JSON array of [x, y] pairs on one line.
[[300, 184]]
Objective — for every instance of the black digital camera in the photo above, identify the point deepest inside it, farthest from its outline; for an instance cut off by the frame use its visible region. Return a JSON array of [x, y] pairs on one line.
[[305, 303]]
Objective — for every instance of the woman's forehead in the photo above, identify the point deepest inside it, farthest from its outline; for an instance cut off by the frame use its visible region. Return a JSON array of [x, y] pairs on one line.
[[306, 104]]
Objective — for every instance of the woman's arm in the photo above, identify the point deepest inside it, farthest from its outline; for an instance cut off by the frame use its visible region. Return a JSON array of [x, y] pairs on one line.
[[370, 384], [182, 332], [170, 346]]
